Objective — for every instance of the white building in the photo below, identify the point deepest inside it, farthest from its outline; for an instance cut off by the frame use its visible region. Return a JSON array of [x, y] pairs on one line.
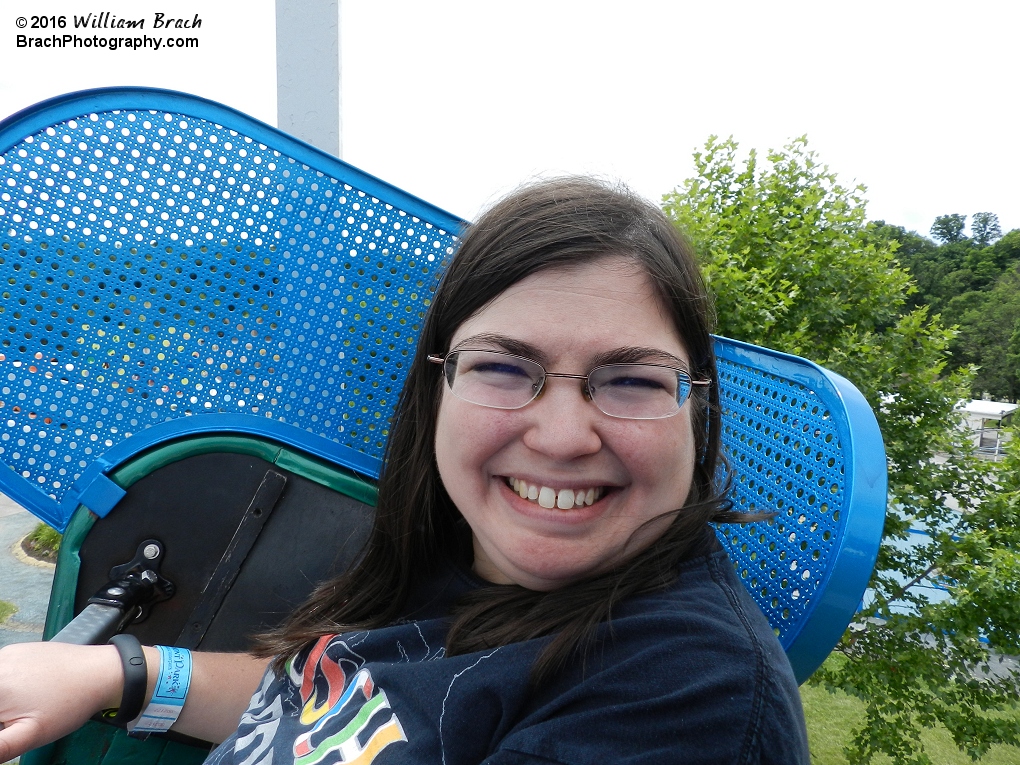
[[987, 422]]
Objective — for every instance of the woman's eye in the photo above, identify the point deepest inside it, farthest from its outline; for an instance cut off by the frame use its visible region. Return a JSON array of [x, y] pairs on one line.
[[630, 380], [500, 368], [635, 381]]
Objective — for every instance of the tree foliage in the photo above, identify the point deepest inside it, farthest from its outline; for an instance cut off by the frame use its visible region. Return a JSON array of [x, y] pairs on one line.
[[970, 286], [949, 228], [794, 265], [990, 336], [985, 228]]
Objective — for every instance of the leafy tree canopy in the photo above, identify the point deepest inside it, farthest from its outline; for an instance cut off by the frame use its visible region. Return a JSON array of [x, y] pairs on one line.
[[783, 248], [990, 336], [794, 265], [966, 283], [949, 228], [984, 228]]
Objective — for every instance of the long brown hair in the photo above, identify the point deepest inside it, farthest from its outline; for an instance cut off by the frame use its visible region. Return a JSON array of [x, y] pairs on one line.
[[550, 224]]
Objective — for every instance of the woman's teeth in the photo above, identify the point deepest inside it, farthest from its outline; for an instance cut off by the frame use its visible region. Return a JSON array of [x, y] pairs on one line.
[[564, 499]]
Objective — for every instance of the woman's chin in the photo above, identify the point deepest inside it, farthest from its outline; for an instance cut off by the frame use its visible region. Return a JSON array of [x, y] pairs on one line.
[[537, 568]]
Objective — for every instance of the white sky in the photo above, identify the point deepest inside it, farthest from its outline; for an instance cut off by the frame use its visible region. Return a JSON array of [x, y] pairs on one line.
[[457, 102]]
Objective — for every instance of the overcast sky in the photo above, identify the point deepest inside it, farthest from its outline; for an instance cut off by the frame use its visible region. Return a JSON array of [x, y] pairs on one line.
[[457, 102]]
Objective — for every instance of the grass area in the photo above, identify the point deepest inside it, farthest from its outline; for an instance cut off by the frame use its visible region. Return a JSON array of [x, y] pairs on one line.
[[43, 543], [6, 610], [831, 717]]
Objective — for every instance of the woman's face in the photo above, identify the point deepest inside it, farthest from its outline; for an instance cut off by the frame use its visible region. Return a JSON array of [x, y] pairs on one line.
[[569, 320]]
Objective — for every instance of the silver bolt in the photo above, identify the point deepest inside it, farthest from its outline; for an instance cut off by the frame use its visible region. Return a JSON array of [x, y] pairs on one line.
[[115, 591], [149, 576], [151, 552]]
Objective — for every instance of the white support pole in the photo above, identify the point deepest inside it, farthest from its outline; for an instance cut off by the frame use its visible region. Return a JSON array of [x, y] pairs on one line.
[[308, 71]]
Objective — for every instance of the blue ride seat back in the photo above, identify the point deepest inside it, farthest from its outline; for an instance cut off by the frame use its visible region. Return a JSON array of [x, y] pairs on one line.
[[172, 267]]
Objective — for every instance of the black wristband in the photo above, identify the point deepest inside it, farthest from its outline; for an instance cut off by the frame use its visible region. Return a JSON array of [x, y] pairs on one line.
[[136, 677]]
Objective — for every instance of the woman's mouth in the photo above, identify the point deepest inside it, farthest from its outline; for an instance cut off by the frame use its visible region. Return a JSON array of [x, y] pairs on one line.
[[547, 497]]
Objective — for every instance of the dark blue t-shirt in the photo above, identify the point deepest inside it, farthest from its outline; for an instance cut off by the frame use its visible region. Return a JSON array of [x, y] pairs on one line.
[[691, 674]]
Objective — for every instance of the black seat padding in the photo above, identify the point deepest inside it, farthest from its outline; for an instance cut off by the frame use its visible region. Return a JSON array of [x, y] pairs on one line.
[[194, 507]]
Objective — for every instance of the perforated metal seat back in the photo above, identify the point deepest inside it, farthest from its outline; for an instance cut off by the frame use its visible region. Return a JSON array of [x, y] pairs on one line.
[[170, 266], [159, 263], [802, 443]]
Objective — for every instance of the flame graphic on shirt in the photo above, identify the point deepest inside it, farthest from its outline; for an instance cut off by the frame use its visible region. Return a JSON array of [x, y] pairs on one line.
[[327, 694]]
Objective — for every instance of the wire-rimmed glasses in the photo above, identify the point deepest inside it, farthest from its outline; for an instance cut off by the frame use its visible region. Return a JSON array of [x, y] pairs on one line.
[[633, 391]]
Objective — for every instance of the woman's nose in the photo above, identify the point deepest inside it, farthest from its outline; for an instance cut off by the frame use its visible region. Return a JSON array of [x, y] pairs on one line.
[[563, 421]]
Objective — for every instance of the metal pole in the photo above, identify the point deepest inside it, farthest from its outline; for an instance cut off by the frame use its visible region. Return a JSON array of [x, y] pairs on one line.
[[308, 71]]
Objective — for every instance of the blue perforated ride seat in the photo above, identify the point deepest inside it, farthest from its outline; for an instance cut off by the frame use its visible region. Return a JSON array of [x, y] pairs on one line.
[[172, 267]]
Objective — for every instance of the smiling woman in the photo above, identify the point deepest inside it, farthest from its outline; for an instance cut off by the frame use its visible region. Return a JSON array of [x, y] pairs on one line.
[[561, 444], [541, 583], [479, 498]]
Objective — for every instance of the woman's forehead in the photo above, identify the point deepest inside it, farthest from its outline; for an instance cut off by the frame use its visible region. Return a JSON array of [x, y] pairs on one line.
[[609, 303]]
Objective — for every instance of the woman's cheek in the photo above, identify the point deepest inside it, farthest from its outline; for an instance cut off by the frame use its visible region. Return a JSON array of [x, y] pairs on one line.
[[664, 461], [467, 436]]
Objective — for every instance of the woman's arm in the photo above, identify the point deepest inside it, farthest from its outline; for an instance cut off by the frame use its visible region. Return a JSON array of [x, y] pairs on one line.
[[48, 690]]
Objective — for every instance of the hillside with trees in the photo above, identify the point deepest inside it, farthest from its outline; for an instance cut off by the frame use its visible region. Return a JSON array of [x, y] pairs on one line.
[[973, 283]]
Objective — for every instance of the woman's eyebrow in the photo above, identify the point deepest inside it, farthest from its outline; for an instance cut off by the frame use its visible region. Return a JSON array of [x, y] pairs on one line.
[[637, 355], [623, 355], [503, 342]]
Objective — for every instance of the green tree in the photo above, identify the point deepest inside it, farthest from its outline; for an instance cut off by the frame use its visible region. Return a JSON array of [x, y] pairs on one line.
[[990, 337], [956, 280], [949, 228], [927, 262], [793, 264], [782, 251], [1006, 251], [945, 271], [984, 228]]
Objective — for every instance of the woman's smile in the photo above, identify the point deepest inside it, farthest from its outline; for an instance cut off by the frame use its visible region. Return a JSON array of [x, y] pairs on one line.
[[547, 505], [548, 497], [556, 490]]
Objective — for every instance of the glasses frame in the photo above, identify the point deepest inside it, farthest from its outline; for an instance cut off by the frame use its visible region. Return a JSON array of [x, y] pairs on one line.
[[546, 374]]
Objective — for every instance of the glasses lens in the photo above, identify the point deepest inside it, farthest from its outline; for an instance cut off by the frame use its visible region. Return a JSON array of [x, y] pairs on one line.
[[493, 379], [638, 391]]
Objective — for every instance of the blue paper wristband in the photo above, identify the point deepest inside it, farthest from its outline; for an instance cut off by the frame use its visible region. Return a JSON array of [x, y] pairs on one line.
[[168, 696]]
